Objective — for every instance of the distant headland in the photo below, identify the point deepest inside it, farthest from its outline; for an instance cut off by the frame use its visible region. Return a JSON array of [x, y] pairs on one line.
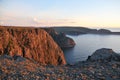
[[72, 30]]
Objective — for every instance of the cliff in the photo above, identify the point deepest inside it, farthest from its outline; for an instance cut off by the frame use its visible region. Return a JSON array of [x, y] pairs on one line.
[[31, 43], [60, 38]]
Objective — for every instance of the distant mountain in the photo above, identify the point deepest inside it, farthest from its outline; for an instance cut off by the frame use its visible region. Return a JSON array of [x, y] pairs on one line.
[[71, 30]]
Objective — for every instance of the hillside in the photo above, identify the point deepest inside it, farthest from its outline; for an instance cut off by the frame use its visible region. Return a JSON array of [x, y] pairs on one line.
[[73, 30]]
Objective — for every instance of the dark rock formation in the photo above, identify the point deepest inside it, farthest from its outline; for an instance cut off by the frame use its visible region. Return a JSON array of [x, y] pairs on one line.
[[60, 38], [18, 58], [32, 43], [15, 57], [104, 54]]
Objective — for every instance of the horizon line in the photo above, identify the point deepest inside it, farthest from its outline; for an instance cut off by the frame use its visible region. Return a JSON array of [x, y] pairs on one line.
[[60, 26]]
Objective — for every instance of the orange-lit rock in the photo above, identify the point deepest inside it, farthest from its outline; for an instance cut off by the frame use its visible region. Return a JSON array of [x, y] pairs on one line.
[[32, 43]]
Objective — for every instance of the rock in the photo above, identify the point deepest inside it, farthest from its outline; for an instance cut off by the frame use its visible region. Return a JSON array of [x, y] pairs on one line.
[[104, 54], [60, 38], [6, 56], [1, 72], [18, 58], [28, 70], [32, 43]]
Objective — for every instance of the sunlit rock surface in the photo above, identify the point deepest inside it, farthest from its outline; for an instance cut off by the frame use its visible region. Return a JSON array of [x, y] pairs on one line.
[[32, 43]]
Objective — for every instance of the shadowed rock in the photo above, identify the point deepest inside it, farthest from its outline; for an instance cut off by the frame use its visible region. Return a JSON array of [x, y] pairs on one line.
[[60, 38], [6, 57], [18, 58], [104, 54]]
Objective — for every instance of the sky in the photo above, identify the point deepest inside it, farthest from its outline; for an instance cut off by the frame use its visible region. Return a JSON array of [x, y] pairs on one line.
[[87, 13]]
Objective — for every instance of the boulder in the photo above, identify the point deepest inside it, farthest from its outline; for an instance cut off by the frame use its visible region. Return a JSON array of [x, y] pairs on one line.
[[104, 54]]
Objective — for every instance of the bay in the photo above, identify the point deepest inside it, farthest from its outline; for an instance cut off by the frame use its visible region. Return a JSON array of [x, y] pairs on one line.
[[87, 44]]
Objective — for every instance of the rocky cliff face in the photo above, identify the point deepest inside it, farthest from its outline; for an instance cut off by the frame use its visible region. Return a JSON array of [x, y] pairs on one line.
[[60, 38], [31, 43]]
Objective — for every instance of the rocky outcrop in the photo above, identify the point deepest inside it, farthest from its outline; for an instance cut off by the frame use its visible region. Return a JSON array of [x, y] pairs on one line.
[[60, 38], [104, 54], [31, 43]]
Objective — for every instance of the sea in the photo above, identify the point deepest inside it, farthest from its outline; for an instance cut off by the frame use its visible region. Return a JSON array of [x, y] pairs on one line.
[[87, 44]]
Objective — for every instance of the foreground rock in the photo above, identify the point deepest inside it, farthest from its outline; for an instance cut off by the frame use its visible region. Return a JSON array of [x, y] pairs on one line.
[[31, 43], [60, 38], [20, 68], [104, 54]]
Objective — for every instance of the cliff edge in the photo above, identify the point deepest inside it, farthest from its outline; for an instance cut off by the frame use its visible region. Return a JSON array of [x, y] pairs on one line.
[[60, 38], [31, 43]]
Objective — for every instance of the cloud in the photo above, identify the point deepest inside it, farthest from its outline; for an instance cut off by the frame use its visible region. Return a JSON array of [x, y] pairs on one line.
[[51, 22], [21, 21], [35, 21]]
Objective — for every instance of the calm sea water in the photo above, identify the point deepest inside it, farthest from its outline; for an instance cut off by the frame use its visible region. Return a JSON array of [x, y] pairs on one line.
[[88, 43]]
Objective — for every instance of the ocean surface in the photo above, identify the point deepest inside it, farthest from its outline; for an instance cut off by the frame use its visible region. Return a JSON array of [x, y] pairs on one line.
[[86, 44]]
